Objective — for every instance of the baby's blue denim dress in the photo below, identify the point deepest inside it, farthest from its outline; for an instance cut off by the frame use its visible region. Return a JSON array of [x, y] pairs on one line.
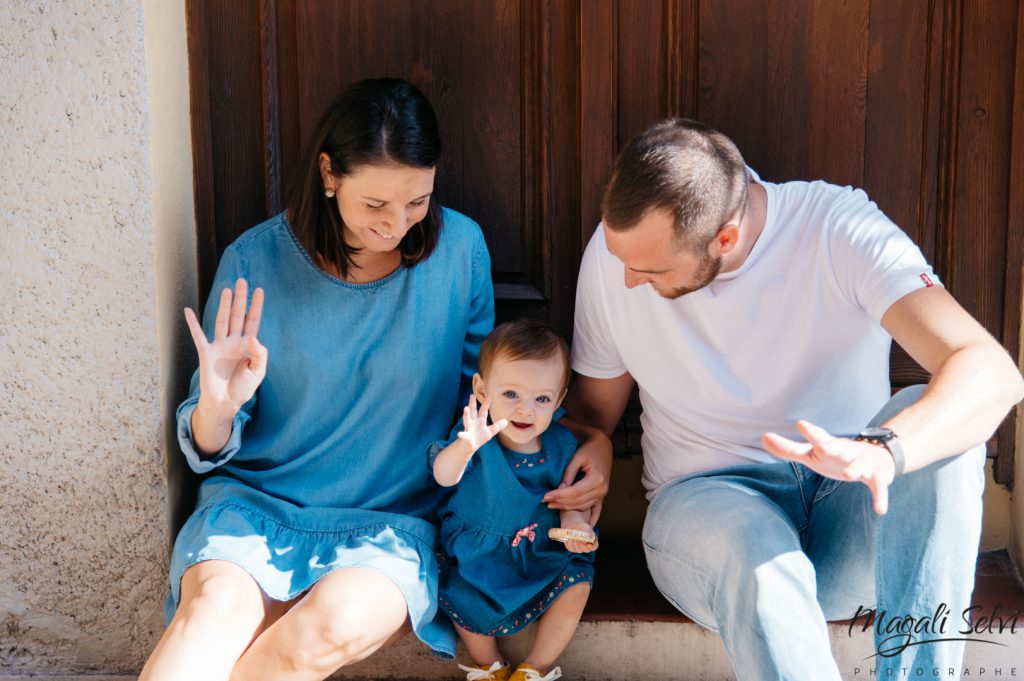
[[499, 570], [324, 466]]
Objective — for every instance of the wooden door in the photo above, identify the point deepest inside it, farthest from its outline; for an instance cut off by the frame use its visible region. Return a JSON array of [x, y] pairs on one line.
[[920, 103], [503, 87]]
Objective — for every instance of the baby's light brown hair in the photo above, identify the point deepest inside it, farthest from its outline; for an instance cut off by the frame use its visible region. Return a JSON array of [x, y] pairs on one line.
[[524, 339]]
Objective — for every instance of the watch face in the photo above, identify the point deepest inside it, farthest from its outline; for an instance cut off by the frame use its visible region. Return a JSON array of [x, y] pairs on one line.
[[876, 433]]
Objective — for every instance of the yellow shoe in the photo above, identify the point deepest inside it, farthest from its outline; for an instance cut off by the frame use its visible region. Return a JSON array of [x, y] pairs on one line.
[[498, 671], [525, 672]]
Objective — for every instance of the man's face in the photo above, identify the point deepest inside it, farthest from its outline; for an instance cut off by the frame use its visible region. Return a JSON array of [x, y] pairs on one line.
[[652, 256]]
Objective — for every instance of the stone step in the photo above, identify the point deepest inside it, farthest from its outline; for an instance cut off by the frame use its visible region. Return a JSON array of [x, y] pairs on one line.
[[631, 633], [683, 651]]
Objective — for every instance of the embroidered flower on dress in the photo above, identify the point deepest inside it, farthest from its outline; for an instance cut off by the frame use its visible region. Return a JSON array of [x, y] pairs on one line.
[[527, 532]]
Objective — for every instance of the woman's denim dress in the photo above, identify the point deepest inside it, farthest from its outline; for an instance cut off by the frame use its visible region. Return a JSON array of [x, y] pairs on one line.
[[324, 466]]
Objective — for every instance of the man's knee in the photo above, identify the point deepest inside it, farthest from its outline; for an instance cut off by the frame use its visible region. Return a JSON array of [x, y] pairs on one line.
[[956, 481], [722, 550], [714, 526], [898, 402]]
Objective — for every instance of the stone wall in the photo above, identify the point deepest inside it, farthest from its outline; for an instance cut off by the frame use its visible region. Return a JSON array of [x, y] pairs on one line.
[[83, 529]]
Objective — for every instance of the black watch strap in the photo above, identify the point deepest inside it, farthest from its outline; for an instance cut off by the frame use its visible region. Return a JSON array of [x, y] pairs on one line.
[[884, 437]]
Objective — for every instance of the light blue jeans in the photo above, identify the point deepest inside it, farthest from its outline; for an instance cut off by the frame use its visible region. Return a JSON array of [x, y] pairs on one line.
[[765, 554]]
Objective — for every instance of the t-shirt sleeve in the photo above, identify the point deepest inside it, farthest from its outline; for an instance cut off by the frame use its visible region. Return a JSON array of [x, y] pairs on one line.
[[594, 352], [230, 268], [874, 261], [481, 316]]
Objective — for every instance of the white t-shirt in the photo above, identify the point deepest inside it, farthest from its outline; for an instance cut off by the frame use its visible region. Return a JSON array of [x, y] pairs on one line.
[[794, 333]]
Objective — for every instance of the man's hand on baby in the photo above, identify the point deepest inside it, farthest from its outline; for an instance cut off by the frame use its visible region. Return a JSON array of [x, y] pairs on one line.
[[476, 433]]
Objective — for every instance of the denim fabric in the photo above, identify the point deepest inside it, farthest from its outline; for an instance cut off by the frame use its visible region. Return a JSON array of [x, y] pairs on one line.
[[500, 570], [324, 467], [765, 554]]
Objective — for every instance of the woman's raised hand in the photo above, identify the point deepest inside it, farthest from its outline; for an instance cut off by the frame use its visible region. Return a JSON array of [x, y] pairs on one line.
[[476, 432], [233, 365]]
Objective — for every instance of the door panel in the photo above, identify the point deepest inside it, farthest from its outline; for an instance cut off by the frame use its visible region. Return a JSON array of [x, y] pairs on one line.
[[919, 103]]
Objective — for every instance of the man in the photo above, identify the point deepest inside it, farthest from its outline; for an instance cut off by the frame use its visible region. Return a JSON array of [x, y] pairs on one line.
[[787, 488]]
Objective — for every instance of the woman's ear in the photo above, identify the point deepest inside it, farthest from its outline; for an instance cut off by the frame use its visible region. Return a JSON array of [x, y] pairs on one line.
[[325, 171], [478, 388]]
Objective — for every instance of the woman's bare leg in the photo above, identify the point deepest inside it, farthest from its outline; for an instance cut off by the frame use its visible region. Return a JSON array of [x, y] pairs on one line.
[[219, 614], [556, 627], [345, 617]]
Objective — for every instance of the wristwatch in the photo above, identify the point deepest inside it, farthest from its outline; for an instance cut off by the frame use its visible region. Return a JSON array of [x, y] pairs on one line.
[[884, 437]]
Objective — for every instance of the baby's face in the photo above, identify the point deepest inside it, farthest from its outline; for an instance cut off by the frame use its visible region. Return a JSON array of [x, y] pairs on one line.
[[526, 392]]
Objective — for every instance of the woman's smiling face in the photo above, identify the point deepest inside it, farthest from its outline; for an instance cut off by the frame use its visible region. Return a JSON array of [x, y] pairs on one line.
[[380, 203]]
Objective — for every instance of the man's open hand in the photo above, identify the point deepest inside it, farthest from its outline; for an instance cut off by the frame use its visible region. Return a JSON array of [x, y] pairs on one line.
[[838, 458]]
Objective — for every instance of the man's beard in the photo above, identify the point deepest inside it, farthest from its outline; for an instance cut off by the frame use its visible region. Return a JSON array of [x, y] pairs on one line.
[[709, 269]]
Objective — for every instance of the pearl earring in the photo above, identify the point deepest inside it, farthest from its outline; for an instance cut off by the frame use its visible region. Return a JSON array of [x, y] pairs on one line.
[[329, 193]]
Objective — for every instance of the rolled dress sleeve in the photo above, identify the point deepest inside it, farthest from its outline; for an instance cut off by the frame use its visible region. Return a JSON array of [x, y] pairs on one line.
[[231, 267], [435, 448], [481, 317]]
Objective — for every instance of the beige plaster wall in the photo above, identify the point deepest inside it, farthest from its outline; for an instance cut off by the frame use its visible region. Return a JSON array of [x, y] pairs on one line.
[[82, 485], [995, 530], [1017, 506], [174, 229]]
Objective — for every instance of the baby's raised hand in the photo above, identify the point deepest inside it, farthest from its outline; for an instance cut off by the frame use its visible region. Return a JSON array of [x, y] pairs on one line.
[[476, 433]]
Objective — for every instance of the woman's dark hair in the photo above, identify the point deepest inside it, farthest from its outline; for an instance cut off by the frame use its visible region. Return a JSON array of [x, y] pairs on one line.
[[374, 121]]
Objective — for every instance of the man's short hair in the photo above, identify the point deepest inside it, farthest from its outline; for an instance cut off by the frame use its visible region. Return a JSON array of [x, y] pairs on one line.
[[685, 167], [524, 339]]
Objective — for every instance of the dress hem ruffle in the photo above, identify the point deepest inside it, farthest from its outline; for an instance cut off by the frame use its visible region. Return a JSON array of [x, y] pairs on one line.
[[529, 612], [194, 547]]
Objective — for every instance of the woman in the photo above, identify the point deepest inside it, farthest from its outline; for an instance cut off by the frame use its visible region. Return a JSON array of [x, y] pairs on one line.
[[312, 544]]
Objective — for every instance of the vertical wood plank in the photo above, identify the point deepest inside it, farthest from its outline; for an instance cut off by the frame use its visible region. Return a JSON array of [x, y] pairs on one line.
[[563, 164], [491, 165], [233, 134], [838, 70], [788, 92], [234, 48], [533, 138], [949, 121], [934, 139], [290, 141], [897, 111], [641, 72], [732, 90], [682, 21], [207, 253], [597, 108], [272, 179], [978, 238], [1013, 286]]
